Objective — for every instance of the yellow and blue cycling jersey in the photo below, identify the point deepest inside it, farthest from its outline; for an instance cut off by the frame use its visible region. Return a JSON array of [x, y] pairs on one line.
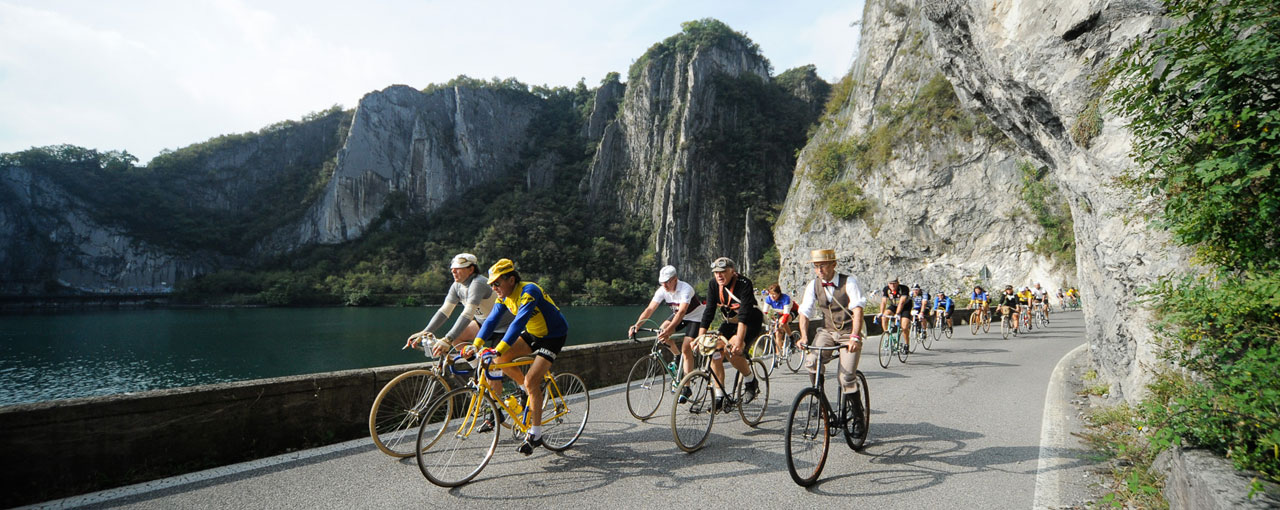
[[535, 313]]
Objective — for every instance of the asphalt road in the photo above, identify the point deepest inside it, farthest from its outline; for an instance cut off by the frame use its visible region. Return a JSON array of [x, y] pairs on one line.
[[955, 427]]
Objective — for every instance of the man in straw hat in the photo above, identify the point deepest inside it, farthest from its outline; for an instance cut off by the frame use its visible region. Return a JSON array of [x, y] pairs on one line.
[[840, 300]]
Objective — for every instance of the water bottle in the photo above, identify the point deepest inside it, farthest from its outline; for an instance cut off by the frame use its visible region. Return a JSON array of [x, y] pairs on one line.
[[513, 404]]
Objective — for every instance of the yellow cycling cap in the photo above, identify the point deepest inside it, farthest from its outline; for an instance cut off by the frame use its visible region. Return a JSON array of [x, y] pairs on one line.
[[499, 268]]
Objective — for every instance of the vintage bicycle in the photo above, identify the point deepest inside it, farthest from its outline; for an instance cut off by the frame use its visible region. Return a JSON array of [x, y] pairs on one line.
[[647, 380], [691, 419], [811, 423], [453, 444], [891, 342], [397, 410], [765, 349]]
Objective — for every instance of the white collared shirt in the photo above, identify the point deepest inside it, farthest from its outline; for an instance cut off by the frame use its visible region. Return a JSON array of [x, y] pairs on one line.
[[808, 300]]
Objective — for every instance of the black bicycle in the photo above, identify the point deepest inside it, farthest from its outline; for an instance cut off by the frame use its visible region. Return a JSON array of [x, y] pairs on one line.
[[812, 422]]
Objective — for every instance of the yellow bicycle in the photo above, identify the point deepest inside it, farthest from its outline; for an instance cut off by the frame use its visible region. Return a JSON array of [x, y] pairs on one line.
[[455, 443]]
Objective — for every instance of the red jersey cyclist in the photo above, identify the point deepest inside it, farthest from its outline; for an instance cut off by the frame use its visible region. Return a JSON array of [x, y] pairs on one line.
[[786, 309]]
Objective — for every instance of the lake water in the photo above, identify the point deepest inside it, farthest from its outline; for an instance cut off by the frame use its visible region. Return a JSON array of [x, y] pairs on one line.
[[79, 354]]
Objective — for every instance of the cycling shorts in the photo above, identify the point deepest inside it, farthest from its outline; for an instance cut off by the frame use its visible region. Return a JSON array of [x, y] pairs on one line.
[[547, 347]]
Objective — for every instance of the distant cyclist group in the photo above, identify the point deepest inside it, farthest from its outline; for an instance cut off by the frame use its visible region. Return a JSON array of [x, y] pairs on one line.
[[495, 361]]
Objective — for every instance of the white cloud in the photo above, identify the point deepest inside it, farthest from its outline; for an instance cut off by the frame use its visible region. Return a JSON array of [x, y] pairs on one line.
[[151, 74]]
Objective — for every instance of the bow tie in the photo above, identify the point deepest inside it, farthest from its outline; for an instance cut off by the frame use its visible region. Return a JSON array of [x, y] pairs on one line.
[[828, 284]]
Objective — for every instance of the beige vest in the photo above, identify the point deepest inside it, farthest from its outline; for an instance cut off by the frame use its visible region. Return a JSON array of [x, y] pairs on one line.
[[835, 314]]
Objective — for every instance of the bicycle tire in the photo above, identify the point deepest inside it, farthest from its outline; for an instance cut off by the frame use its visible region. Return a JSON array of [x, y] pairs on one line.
[[795, 357], [934, 326], [807, 437], [691, 421], [886, 349], [448, 440], [917, 331], [856, 441], [752, 411], [395, 415], [565, 411], [764, 350], [975, 322], [926, 340], [1005, 326], [903, 350], [646, 386], [986, 322]]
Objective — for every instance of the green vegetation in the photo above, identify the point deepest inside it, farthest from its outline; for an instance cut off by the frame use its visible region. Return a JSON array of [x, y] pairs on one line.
[[175, 184], [693, 34], [1089, 124], [1052, 213], [841, 94], [844, 200], [1116, 434], [1204, 99]]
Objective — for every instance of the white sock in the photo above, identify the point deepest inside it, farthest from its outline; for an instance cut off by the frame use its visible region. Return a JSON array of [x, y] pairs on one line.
[[749, 378], [535, 431], [719, 393]]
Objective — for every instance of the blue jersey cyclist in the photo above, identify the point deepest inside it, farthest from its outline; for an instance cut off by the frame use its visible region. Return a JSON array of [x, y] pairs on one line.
[[538, 328], [786, 309], [943, 306]]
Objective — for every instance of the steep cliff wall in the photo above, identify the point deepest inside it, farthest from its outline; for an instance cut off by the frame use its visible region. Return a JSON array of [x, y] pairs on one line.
[[1032, 66], [429, 146], [52, 238], [683, 153], [903, 182]]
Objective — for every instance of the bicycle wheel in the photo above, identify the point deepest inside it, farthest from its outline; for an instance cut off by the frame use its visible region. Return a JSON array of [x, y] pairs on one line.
[[646, 385], [1044, 319], [564, 413], [691, 420], [975, 322], [398, 408], [887, 347], [807, 438], [795, 357], [751, 408], [927, 335], [903, 348], [918, 332], [1005, 327], [986, 322], [765, 351], [451, 447], [857, 438], [934, 326]]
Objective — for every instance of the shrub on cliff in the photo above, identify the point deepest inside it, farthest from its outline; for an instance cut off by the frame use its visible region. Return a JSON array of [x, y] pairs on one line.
[[1204, 101]]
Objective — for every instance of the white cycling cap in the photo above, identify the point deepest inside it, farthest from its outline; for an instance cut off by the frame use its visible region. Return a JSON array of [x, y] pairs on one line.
[[666, 274]]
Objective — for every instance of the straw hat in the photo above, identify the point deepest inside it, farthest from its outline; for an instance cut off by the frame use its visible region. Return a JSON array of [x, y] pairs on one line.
[[822, 256]]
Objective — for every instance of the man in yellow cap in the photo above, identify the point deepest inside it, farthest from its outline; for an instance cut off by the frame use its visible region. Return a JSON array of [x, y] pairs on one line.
[[538, 328], [840, 300]]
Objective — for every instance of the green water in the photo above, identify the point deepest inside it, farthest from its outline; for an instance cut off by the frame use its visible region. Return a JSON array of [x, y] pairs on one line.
[[80, 354]]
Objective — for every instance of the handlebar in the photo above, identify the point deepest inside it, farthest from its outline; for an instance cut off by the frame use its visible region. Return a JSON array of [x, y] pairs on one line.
[[808, 347]]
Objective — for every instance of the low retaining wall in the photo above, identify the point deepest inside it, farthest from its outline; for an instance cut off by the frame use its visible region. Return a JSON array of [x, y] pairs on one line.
[[1200, 480], [61, 448]]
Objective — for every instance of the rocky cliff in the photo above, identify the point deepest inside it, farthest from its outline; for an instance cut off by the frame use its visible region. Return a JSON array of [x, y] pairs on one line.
[[937, 212], [53, 239], [427, 145], [692, 151]]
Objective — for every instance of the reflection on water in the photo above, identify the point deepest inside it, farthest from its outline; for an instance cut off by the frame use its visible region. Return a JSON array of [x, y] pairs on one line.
[[81, 354]]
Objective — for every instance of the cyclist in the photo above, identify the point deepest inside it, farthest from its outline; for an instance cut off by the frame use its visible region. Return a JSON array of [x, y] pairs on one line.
[[943, 306], [894, 303], [1074, 296], [476, 298], [919, 304], [978, 300], [686, 309], [840, 300], [1041, 297], [1008, 303], [1062, 300], [781, 304], [537, 328], [1025, 298], [733, 295]]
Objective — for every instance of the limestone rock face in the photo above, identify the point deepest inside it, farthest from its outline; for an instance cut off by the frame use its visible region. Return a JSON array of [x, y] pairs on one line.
[[428, 146], [945, 203], [651, 162], [1031, 66], [51, 237]]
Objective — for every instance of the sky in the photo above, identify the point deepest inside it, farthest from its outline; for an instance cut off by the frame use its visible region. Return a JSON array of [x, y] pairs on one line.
[[143, 75]]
